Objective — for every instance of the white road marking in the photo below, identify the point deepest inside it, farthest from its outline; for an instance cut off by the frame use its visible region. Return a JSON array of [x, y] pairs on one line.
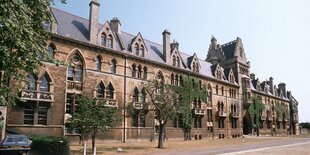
[[265, 148]]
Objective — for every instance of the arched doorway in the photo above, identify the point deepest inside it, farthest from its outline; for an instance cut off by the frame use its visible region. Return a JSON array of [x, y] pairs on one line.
[[247, 123]]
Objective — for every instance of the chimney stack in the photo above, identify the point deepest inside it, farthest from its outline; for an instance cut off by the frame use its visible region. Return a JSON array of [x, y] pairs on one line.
[[93, 21], [166, 46], [271, 85], [116, 25]]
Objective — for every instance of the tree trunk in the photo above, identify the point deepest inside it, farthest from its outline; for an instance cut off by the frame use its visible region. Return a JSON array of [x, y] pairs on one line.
[[160, 137], [257, 131], [93, 141]]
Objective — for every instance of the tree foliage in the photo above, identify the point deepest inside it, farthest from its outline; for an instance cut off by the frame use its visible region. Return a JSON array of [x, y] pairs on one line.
[[281, 111], [189, 90], [22, 39], [92, 116], [163, 99], [305, 125]]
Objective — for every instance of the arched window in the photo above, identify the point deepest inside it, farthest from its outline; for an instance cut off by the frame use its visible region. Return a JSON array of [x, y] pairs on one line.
[[137, 49], [110, 91], [32, 84], [75, 69], [181, 80], [103, 39], [176, 80], [109, 41], [217, 89], [133, 70], [143, 96], [222, 106], [139, 71], [44, 84], [142, 50], [159, 82], [51, 51], [172, 79], [173, 61], [100, 90], [197, 68], [47, 25], [194, 67], [98, 63], [222, 90], [145, 73], [178, 61], [135, 95], [113, 66]]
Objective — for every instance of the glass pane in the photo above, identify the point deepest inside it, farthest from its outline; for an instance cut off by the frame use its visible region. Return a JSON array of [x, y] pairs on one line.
[[79, 73], [32, 85], [42, 114], [51, 51], [44, 86], [70, 73], [28, 114]]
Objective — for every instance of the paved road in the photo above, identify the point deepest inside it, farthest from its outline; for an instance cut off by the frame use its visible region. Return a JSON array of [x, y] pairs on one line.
[[283, 146]]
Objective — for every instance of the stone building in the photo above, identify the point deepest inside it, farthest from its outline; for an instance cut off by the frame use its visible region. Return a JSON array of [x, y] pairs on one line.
[[108, 63]]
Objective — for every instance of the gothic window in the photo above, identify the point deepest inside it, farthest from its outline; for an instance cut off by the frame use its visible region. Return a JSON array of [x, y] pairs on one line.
[[173, 61], [44, 84], [231, 78], [110, 91], [159, 82], [138, 119], [143, 96], [32, 84], [178, 61], [139, 71], [142, 50], [135, 95], [51, 51], [222, 91], [172, 79], [197, 68], [103, 39], [98, 63], [194, 67], [217, 89], [176, 80], [145, 73], [133, 70], [113, 66], [181, 80], [100, 90], [109, 42], [75, 69], [137, 49]]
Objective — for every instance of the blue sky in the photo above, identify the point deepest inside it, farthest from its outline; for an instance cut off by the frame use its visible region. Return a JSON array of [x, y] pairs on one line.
[[275, 33]]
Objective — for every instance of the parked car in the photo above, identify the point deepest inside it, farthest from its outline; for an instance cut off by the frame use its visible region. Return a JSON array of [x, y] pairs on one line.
[[15, 144]]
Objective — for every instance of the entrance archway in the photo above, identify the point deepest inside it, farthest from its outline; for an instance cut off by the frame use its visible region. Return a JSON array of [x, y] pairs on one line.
[[247, 124]]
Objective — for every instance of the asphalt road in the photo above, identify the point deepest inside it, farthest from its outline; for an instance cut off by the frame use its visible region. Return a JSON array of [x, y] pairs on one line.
[[283, 146]]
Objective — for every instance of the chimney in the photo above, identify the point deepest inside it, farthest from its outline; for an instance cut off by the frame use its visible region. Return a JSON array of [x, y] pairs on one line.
[[282, 87], [166, 46], [174, 44], [252, 76], [93, 21], [115, 25], [271, 85]]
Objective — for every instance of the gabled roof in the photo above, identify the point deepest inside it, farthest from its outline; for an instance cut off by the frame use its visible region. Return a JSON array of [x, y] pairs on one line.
[[139, 36]]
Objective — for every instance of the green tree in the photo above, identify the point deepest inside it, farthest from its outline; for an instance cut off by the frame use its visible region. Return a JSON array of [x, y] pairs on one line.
[[189, 90], [305, 125], [255, 110], [163, 99], [22, 40], [92, 116]]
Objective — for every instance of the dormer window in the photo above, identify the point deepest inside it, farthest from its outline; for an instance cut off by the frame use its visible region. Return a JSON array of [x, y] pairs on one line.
[[178, 61], [219, 74], [136, 49], [109, 42], [173, 61], [142, 50], [103, 39], [231, 78]]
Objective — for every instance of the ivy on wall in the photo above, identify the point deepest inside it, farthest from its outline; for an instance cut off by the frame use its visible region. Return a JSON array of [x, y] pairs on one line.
[[255, 108]]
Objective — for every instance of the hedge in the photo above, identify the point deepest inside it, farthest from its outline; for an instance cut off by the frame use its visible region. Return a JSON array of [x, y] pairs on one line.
[[49, 145]]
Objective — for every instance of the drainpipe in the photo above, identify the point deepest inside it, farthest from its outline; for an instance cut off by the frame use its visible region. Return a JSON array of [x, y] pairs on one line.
[[124, 105]]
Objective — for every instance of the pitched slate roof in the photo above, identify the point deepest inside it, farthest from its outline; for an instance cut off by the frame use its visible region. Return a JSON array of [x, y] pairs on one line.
[[76, 27]]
